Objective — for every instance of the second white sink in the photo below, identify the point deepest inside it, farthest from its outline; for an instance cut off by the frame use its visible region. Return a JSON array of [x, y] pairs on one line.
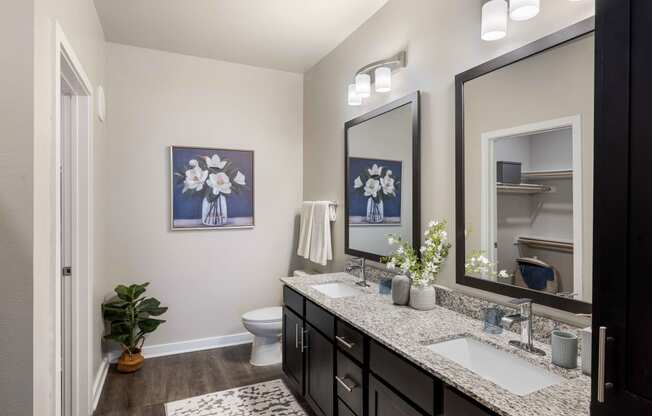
[[500, 367], [337, 290]]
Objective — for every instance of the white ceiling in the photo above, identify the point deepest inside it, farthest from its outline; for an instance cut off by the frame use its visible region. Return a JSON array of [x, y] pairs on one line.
[[290, 35]]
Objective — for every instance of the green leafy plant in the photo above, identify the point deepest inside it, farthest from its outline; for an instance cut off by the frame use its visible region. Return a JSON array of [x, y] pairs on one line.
[[130, 316]]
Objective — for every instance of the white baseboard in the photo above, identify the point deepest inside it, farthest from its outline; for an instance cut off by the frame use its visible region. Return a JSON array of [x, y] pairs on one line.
[[161, 350], [98, 384]]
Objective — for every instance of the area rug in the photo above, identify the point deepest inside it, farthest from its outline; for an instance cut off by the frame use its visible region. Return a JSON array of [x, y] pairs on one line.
[[271, 398]]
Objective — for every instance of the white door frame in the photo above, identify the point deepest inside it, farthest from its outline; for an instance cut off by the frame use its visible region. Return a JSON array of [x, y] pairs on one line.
[[489, 208], [67, 66]]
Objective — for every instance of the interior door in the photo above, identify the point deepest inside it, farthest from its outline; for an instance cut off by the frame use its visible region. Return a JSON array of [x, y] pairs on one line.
[[622, 319]]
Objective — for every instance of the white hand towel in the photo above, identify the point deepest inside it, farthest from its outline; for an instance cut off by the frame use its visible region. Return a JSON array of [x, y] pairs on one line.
[[321, 249], [306, 229]]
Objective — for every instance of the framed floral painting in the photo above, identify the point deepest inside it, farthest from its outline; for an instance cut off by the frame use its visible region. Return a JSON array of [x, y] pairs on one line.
[[374, 191], [211, 188]]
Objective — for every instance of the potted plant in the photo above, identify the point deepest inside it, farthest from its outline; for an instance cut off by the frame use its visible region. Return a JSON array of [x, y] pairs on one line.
[[423, 269], [130, 319]]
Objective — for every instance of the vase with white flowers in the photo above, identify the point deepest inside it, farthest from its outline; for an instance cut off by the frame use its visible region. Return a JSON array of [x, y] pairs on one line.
[[423, 269], [376, 183], [478, 264], [214, 179]]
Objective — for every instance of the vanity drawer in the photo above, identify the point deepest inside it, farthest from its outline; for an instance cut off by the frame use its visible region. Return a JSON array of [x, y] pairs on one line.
[[349, 383], [293, 300], [350, 340], [320, 319], [412, 382]]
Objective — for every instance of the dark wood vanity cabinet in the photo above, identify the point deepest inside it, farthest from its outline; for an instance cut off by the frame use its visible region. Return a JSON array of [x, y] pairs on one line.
[[320, 364], [292, 354], [342, 372]]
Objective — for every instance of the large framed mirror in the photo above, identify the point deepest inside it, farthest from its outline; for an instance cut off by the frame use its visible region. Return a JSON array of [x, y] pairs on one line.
[[382, 178], [524, 171]]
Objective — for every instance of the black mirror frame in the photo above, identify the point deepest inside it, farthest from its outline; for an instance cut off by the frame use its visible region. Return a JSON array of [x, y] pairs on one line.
[[565, 35], [414, 101]]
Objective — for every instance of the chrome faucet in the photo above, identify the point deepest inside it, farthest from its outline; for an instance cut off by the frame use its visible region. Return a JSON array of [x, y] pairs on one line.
[[360, 266], [525, 319]]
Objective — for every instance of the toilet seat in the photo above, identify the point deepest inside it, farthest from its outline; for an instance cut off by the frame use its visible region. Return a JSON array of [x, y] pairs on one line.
[[264, 315]]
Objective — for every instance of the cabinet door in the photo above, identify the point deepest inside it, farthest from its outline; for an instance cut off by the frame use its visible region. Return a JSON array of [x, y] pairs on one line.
[[292, 351], [384, 402], [622, 311], [320, 372]]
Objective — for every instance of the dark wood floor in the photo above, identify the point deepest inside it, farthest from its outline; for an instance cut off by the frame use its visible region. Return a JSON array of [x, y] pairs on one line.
[[176, 377]]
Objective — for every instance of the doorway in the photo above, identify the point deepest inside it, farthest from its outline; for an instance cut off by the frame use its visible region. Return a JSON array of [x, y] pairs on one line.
[[72, 232]]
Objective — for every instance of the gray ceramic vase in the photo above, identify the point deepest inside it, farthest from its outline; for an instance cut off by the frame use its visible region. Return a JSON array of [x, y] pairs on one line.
[[401, 289], [423, 298], [564, 349]]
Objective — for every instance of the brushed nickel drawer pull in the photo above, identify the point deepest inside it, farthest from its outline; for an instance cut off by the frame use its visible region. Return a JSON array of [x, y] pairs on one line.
[[304, 336], [348, 387], [344, 342], [296, 336], [602, 341]]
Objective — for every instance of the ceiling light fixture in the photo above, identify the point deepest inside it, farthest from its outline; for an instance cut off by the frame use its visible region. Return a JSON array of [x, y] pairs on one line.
[[523, 9], [378, 73], [494, 20]]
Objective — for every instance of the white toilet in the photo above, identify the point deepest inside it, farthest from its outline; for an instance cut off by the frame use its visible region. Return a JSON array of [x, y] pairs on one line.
[[266, 326]]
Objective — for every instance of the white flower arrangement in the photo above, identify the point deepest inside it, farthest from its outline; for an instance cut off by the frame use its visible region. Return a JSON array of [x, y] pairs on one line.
[[422, 269], [211, 177], [479, 264], [376, 182]]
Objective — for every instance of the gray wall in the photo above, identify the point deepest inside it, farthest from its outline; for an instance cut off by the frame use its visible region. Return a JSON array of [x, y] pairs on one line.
[[208, 278], [16, 199], [442, 39]]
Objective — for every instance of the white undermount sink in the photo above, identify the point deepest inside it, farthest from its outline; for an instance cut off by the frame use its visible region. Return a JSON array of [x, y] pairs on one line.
[[337, 290], [500, 367]]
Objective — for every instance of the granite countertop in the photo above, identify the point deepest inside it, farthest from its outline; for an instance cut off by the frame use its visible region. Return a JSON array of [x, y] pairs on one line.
[[408, 332]]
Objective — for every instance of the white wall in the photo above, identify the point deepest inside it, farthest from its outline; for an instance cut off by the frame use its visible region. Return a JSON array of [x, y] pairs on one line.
[[207, 278], [442, 39], [16, 198]]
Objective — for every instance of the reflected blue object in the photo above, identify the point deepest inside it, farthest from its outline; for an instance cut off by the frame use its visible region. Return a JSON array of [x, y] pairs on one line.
[[492, 319], [385, 286]]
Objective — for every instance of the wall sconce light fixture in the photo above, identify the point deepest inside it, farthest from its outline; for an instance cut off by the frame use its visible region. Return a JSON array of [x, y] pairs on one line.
[[379, 74]]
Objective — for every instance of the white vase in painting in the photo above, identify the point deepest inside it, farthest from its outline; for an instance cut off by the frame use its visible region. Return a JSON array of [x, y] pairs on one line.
[[375, 211], [423, 298], [214, 212]]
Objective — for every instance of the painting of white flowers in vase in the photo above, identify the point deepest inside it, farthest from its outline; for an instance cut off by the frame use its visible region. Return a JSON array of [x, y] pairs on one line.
[[375, 191], [211, 188]]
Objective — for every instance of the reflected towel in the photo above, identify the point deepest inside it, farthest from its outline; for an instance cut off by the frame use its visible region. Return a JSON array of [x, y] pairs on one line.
[[305, 233], [321, 249]]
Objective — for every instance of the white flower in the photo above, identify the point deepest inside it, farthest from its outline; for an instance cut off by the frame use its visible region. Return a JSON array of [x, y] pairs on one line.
[[388, 185], [372, 187], [193, 163], [391, 265], [400, 250], [239, 179], [215, 162], [423, 249], [503, 274], [375, 170], [195, 179], [391, 240], [220, 182], [357, 183]]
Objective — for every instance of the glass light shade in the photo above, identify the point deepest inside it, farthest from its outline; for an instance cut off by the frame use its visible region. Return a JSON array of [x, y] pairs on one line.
[[363, 85], [383, 77], [494, 20], [354, 98], [523, 9]]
